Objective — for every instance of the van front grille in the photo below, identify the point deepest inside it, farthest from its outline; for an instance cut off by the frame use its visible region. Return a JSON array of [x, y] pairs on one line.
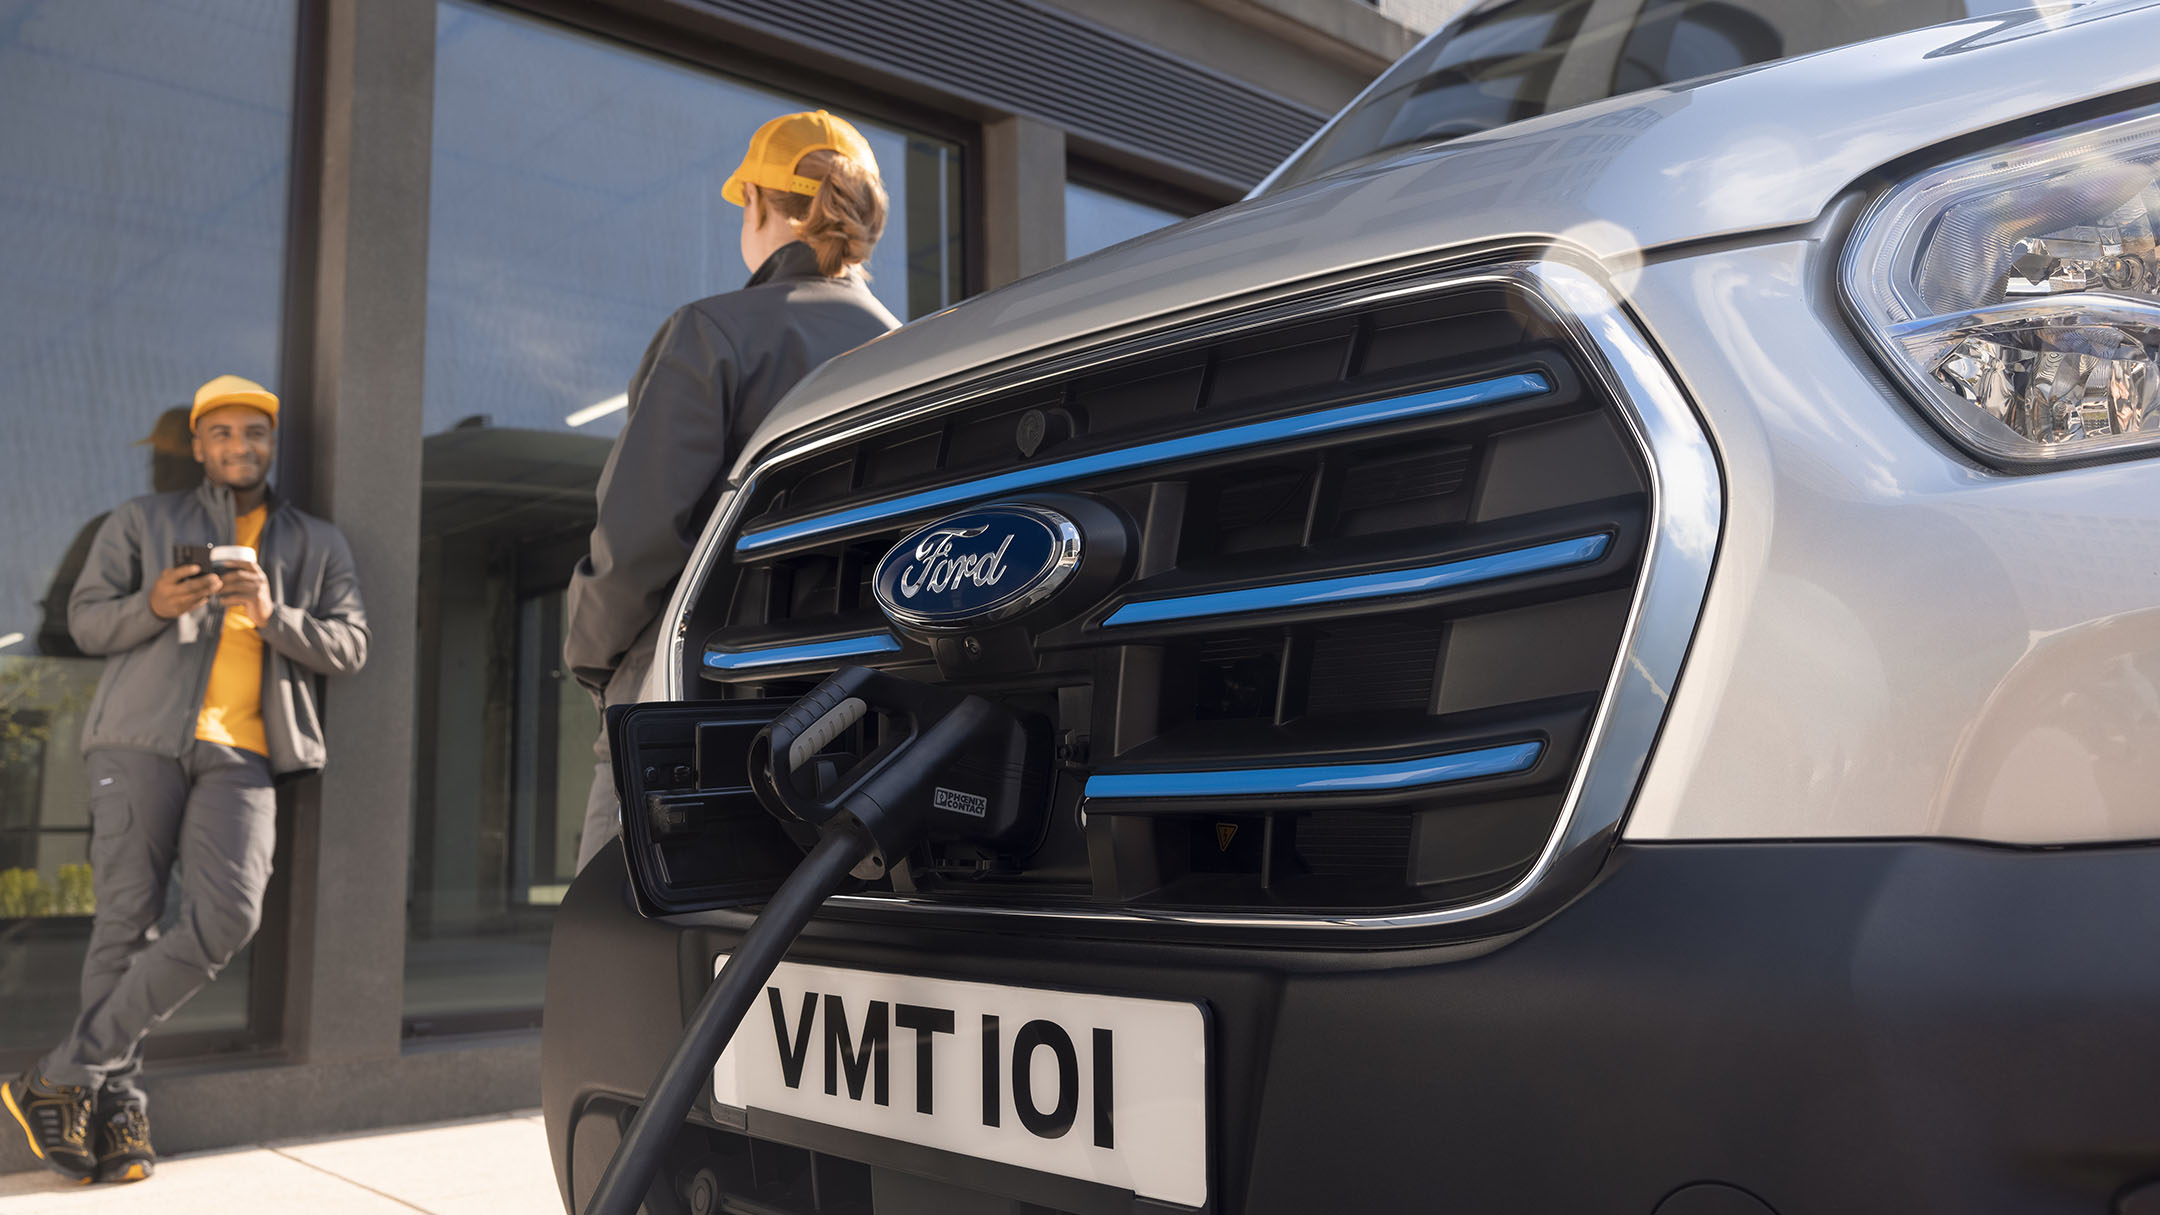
[[1386, 559]]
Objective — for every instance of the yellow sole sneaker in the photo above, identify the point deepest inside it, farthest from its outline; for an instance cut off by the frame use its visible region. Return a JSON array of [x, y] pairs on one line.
[[15, 1110]]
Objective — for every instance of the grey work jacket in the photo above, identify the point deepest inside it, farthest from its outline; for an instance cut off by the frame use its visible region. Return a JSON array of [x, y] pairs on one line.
[[151, 692], [712, 373]]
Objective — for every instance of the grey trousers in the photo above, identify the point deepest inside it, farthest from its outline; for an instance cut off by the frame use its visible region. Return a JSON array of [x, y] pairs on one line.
[[603, 816], [214, 811]]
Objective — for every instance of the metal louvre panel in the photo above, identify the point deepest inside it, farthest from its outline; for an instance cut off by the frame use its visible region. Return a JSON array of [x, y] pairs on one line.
[[1015, 56], [1221, 768]]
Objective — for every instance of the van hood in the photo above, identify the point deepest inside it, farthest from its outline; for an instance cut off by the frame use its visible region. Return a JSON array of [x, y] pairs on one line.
[[1763, 148]]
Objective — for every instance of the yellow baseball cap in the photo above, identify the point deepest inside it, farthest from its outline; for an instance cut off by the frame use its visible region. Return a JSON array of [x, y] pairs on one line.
[[231, 390], [781, 144]]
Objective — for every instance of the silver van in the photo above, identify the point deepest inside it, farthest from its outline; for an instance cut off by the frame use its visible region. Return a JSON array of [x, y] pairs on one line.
[[1594, 646]]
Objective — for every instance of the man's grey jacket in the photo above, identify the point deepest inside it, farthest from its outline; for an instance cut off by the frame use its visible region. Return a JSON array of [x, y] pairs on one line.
[[713, 372], [151, 693]]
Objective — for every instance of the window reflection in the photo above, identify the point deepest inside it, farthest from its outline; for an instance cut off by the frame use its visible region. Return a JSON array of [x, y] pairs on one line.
[[143, 194], [1097, 219], [575, 204], [1683, 41]]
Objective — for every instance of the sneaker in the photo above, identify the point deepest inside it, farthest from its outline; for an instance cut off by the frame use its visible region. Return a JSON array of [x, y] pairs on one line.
[[123, 1144], [57, 1120]]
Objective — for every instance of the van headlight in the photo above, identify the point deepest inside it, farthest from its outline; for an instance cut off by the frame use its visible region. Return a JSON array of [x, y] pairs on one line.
[[2018, 293]]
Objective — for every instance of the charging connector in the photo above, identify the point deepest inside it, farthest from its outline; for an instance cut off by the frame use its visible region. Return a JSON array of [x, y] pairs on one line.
[[945, 766]]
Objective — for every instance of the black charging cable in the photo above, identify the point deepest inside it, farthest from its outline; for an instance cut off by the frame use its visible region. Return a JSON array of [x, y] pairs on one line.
[[629, 1174], [949, 767]]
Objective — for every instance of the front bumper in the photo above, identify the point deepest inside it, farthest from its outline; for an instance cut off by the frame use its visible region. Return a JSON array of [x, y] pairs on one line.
[[1851, 1027]]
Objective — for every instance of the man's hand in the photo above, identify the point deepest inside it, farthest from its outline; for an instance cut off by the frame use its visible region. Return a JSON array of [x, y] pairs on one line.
[[178, 590], [248, 588]]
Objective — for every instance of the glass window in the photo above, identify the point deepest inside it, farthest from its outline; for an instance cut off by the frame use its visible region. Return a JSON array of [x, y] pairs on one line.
[[575, 204], [1502, 61], [143, 195], [1097, 219]]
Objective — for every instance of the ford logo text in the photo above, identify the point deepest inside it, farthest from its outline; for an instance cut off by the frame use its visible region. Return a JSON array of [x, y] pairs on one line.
[[937, 568], [981, 567]]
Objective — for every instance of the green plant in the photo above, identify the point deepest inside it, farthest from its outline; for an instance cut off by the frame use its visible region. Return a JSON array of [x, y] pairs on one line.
[[15, 887], [23, 894], [77, 896]]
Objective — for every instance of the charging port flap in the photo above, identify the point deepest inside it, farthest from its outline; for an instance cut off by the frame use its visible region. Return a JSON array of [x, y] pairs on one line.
[[694, 835]]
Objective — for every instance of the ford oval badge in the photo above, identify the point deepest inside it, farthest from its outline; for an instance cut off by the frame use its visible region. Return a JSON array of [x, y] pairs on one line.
[[981, 567]]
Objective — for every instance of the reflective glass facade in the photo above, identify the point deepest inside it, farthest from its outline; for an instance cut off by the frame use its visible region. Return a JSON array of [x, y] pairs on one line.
[[1097, 219], [575, 203], [144, 191], [444, 232]]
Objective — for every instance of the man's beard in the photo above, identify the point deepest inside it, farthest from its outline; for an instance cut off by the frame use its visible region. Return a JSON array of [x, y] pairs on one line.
[[243, 482]]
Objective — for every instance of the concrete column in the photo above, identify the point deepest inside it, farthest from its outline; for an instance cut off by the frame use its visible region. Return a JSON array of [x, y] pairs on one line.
[[369, 211], [1023, 175]]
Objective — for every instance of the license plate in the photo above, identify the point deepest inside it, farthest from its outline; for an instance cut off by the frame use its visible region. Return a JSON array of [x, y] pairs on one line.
[[1110, 1089]]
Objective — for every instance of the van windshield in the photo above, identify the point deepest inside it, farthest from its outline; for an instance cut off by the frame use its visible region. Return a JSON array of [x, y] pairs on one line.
[[1502, 61]]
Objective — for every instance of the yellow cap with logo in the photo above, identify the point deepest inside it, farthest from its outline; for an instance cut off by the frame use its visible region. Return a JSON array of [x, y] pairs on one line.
[[781, 144], [232, 390]]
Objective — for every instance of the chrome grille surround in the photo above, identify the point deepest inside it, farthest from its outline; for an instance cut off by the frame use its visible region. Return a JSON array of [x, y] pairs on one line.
[[1686, 514]]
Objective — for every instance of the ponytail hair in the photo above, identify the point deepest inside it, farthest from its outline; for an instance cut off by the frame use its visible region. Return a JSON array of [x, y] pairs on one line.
[[843, 220]]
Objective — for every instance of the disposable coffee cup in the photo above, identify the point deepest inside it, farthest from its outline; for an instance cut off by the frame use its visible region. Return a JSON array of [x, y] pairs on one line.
[[222, 558]]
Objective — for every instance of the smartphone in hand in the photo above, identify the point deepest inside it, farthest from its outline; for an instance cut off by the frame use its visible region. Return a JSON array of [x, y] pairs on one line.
[[197, 555]]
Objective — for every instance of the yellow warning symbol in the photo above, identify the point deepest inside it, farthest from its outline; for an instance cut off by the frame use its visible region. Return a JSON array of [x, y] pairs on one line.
[[1224, 833]]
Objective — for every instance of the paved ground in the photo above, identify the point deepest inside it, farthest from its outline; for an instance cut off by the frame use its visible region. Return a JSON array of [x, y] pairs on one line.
[[495, 1166]]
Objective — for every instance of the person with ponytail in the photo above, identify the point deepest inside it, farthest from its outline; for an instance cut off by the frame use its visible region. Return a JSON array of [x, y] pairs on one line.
[[812, 210]]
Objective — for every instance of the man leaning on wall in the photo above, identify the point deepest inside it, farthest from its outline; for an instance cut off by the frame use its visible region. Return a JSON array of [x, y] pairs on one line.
[[216, 609]]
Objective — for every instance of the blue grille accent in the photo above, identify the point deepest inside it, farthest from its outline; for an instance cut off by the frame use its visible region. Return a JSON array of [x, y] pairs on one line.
[[1323, 778], [780, 655], [1348, 417], [1556, 555]]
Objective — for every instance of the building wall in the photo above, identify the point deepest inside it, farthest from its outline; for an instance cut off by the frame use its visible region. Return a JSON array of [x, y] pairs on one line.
[[1256, 45], [443, 230]]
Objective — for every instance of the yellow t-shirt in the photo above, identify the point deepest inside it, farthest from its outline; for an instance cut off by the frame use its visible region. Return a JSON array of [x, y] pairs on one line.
[[232, 703]]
